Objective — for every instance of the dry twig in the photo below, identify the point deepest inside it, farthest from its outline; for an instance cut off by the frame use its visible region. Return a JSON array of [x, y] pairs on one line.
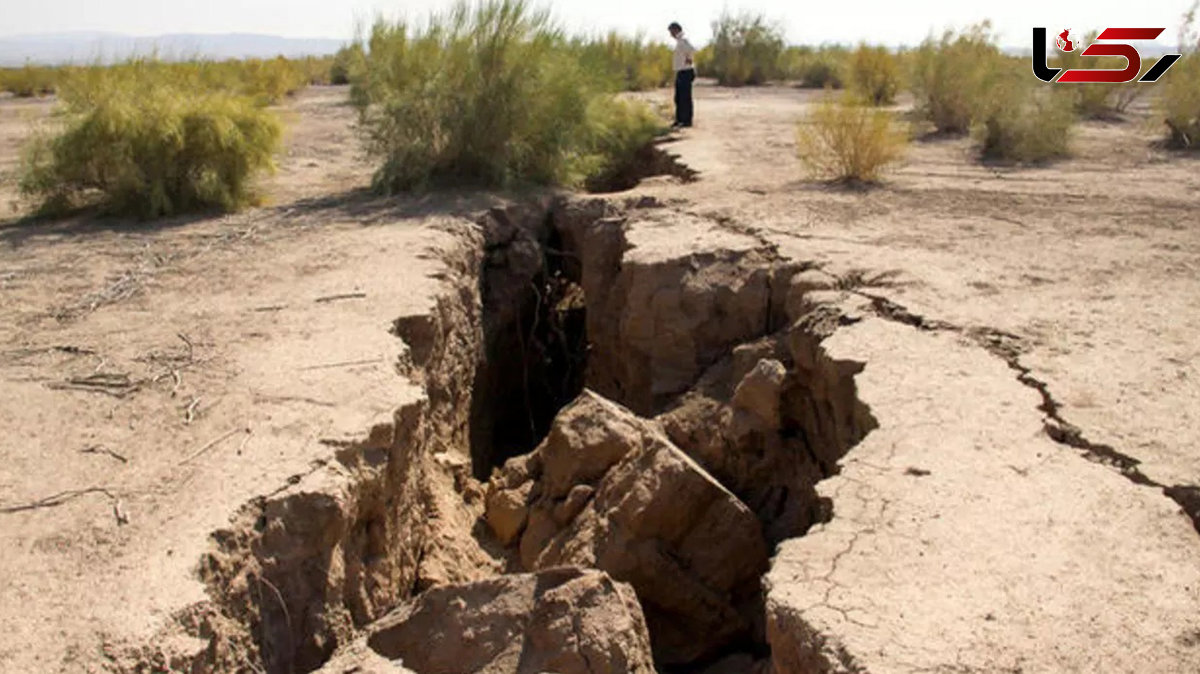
[[118, 385], [190, 412], [97, 449], [57, 499], [196, 454], [344, 296], [343, 364]]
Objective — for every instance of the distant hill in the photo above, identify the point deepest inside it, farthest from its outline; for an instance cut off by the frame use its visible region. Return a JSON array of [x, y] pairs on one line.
[[55, 49]]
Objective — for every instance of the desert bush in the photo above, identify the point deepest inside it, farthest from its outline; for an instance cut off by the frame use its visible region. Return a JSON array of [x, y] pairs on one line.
[[28, 81], [617, 134], [1179, 102], [269, 80], [814, 68], [348, 60], [316, 70], [1179, 91], [848, 140], [948, 76], [631, 63], [874, 74], [141, 139], [1021, 120], [745, 49], [489, 94], [703, 62]]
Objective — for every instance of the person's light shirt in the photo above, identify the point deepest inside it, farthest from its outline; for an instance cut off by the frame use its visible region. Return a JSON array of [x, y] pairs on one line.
[[685, 54]]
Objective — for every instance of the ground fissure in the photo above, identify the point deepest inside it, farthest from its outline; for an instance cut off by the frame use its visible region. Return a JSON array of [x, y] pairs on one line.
[[670, 460], [551, 325], [1006, 346]]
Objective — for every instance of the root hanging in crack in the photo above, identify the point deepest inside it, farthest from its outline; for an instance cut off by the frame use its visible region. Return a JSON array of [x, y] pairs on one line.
[[534, 334]]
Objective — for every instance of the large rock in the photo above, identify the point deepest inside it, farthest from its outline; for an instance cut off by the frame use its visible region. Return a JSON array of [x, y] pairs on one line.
[[668, 295], [564, 620], [608, 490], [773, 419]]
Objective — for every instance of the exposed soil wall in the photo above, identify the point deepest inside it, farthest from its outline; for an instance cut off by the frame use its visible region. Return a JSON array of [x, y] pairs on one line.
[[716, 354]]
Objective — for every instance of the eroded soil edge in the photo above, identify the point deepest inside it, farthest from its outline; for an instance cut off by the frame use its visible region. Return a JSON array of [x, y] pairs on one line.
[[661, 415]]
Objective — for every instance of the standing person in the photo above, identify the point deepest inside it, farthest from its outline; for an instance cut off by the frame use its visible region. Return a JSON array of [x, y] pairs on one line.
[[685, 74]]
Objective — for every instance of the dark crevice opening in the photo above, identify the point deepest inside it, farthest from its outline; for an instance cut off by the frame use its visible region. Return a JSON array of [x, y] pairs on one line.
[[535, 355], [647, 162]]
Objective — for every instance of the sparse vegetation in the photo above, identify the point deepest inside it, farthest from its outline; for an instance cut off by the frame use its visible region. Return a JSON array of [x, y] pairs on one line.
[[346, 62], [814, 68], [631, 63], [271, 80], [1020, 120], [746, 50], [949, 76], [874, 74], [28, 81], [848, 140], [1179, 91], [149, 139], [490, 94]]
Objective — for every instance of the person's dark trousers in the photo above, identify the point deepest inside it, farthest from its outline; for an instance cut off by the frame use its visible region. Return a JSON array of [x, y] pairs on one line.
[[683, 96]]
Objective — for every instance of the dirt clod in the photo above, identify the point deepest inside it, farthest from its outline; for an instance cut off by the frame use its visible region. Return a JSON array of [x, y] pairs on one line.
[[563, 620]]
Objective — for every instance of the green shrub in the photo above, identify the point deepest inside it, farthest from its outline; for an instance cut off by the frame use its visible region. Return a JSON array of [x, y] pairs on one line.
[[1179, 102], [949, 75], [489, 95], [849, 141], [271, 80], [631, 63], [874, 74], [703, 62], [1021, 120], [346, 62], [28, 81], [619, 133], [746, 49], [1179, 90], [140, 139], [814, 68], [316, 70]]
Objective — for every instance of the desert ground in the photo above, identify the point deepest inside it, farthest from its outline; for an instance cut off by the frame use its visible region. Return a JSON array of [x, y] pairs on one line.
[[238, 443]]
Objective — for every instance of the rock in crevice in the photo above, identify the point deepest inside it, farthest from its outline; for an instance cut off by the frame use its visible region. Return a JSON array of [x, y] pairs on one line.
[[713, 410], [713, 413]]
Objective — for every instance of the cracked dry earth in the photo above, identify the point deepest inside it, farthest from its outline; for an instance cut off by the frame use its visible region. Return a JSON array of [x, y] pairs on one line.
[[738, 425]]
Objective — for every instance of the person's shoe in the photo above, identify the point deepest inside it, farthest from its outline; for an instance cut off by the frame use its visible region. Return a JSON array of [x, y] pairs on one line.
[[676, 125]]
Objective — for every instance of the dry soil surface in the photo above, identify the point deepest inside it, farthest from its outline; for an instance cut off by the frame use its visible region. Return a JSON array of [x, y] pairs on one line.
[[1027, 335]]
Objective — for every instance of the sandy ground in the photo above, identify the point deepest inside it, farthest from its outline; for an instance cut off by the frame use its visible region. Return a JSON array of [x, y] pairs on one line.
[[157, 378]]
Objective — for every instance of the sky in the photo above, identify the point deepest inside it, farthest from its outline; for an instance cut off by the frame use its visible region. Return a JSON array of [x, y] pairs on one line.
[[890, 22]]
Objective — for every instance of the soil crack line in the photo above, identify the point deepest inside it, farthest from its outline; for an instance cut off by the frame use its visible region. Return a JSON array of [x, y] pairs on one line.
[[1005, 346]]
